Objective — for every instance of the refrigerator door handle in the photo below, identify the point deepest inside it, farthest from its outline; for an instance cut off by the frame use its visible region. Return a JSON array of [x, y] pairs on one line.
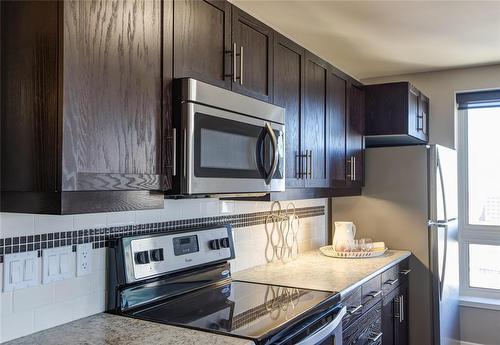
[[443, 225]]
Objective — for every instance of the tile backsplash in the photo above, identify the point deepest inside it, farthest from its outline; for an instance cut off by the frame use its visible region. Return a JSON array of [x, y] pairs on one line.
[[29, 310]]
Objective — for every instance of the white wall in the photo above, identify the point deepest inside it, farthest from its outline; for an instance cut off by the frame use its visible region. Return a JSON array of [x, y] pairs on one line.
[[440, 87], [480, 326], [30, 310]]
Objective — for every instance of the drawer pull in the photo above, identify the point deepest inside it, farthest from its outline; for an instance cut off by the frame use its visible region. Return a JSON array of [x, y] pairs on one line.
[[405, 272], [376, 338], [375, 294], [354, 310], [391, 281]]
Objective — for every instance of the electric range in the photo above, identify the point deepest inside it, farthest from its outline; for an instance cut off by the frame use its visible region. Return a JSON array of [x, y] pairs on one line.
[[184, 279]]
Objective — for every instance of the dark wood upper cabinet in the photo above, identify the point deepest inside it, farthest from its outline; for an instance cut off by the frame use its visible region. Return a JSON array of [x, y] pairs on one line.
[[253, 42], [396, 114], [202, 41], [93, 121], [288, 93], [355, 136], [337, 100], [316, 121]]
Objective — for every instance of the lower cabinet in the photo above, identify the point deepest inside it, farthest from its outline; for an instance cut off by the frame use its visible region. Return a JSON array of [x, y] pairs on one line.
[[377, 311]]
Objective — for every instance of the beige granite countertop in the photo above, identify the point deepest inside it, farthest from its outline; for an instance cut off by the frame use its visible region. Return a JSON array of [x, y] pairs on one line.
[[313, 270], [106, 329]]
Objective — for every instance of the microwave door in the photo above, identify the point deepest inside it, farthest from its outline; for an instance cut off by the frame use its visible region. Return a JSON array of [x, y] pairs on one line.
[[267, 154]]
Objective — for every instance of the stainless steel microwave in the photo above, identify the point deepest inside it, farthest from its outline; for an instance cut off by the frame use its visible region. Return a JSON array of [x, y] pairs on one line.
[[228, 143]]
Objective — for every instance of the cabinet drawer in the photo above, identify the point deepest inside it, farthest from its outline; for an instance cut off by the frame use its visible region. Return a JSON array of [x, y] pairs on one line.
[[367, 329], [404, 270], [371, 293], [390, 279], [354, 307]]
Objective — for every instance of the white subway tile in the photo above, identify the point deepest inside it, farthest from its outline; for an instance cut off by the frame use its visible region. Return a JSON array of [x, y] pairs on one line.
[[17, 325], [89, 305], [190, 208], [99, 259], [226, 207], [147, 216], [90, 221], [53, 315], [171, 210], [72, 288], [33, 297], [16, 224], [121, 218], [5, 303], [98, 280], [209, 207], [49, 223]]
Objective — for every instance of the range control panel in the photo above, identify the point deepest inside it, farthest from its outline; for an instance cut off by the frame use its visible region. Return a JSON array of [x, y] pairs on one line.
[[148, 256]]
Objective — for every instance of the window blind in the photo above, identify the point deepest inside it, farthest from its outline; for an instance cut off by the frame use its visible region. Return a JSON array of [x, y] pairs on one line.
[[478, 99]]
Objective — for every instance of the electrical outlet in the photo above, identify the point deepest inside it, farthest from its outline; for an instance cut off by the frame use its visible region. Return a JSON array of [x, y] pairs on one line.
[[83, 259]]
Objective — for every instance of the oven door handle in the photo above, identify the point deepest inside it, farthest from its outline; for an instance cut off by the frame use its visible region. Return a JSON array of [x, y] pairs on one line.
[[321, 334], [274, 144]]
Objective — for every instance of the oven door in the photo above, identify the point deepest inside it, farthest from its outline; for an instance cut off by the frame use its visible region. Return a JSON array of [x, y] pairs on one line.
[[226, 152]]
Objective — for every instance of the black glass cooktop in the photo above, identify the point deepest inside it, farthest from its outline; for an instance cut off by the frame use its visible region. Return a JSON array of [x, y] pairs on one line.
[[242, 309]]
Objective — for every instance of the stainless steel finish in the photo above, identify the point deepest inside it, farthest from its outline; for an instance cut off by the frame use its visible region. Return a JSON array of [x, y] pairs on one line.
[[197, 96], [402, 308], [405, 272], [135, 272], [400, 300], [354, 310], [391, 281], [174, 151], [307, 164], [310, 163], [202, 93], [445, 226], [354, 168], [274, 144], [375, 338], [375, 294], [241, 65], [234, 62], [326, 331]]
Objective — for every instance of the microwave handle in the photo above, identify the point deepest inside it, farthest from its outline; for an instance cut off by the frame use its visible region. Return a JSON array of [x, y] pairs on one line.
[[274, 144]]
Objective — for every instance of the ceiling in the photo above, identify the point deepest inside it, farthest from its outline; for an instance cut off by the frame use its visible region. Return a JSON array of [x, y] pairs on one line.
[[381, 38]]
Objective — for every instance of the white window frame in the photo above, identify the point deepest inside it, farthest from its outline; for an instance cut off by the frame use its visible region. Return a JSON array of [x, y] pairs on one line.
[[470, 233]]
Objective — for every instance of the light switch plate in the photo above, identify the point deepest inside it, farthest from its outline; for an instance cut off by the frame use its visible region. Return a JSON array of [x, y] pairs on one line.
[[20, 270], [56, 264], [83, 259]]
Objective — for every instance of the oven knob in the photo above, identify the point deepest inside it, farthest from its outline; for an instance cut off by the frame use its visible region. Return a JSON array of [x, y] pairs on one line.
[[224, 242], [142, 258], [157, 254], [214, 244]]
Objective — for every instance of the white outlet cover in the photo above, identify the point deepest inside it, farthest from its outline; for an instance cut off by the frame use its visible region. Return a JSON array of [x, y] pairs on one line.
[[56, 264], [83, 259], [26, 265]]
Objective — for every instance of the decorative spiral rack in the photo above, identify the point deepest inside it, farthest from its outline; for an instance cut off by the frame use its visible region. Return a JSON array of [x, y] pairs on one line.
[[282, 227]]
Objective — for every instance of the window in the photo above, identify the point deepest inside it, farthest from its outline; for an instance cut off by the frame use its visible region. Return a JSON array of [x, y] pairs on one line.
[[479, 182]]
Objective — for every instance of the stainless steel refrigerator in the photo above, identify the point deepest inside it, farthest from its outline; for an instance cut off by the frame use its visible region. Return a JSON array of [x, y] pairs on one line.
[[410, 202]]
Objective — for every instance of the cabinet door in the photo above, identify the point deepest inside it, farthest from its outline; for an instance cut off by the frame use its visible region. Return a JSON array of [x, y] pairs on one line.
[[288, 93], [202, 41], [413, 113], [337, 147], [389, 317], [112, 99], [402, 312], [254, 51], [423, 117], [355, 136], [316, 121]]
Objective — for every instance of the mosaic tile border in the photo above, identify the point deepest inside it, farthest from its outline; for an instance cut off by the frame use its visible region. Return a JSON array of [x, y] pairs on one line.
[[100, 237]]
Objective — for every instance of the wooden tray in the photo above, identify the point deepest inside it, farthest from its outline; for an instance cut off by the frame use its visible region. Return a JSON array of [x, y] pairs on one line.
[[330, 251]]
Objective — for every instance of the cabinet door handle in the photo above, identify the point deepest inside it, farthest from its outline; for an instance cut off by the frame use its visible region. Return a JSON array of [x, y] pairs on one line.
[[391, 281], [351, 168], [174, 151], [234, 62], [405, 272], [310, 163], [354, 169], [241, 65], [375, 338], [375, 294], [306, 165], [402, 306]]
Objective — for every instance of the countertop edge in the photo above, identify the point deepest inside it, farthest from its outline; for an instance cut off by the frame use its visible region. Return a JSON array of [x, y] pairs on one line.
[[347, 290]]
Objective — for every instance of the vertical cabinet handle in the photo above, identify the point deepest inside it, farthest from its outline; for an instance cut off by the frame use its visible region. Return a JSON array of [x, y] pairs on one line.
[[174, 151], [307, 164], [234, 62], [241, 65], [352, 168], [310, 163]]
